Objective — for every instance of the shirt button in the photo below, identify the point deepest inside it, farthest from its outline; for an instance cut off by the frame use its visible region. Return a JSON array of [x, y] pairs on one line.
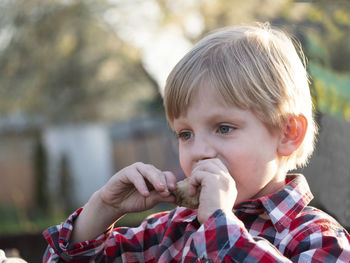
[[204, 259]]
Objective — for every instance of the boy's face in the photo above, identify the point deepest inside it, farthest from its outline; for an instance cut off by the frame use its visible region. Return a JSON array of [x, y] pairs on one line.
[[211, 129]]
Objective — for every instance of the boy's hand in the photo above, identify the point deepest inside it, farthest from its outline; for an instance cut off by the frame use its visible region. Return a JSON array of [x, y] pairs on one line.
[[137, 187], [218, 189]]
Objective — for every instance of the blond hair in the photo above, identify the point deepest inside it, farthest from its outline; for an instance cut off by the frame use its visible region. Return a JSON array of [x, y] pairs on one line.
[[252, 67]]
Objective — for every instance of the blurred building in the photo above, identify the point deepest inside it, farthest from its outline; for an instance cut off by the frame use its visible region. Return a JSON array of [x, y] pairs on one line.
[[79, 161], [65, 164], [18, 138]]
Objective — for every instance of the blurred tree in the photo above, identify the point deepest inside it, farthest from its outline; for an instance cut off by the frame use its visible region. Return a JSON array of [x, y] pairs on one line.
[[65, 188], [323, 27], [58, 60], [62, 60], [40, 162], [217, 14]]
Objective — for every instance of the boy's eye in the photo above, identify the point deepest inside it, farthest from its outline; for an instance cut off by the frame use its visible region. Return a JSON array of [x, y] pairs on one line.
[[223, 129], [185, 135]]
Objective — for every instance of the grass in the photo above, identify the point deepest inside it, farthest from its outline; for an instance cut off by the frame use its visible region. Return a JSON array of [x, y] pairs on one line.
[[14, 221]]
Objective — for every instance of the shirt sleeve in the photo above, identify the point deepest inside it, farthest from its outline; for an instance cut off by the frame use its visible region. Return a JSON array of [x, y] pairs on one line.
[[225, 239], [112, 244], [60, 248]]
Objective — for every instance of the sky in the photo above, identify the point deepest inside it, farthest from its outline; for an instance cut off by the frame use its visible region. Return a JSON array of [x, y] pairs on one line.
[[162, 46]]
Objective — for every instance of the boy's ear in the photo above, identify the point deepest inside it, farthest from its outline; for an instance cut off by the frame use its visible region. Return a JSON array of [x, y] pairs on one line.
[[293, 135]]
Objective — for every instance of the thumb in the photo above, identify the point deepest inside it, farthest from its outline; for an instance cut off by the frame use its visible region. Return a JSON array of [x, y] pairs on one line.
[[156, 197]]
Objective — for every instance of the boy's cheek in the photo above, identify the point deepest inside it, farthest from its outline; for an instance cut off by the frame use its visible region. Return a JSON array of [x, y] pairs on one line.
[[185, 164]]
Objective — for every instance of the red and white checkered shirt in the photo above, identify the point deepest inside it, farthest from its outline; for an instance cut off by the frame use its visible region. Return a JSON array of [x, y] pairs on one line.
[[275, 228]]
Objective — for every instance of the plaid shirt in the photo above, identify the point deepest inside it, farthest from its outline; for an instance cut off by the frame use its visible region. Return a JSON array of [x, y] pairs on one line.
[[275, 228]]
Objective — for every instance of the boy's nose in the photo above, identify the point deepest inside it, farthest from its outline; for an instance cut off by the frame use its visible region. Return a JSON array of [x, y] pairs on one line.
[[203, 149]]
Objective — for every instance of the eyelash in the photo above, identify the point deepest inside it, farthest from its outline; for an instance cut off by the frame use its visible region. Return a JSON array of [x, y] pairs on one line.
[[187, 135], [181, 135], [229, 127]]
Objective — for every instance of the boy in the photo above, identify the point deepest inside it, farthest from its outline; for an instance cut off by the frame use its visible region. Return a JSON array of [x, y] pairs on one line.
[[240, 105]]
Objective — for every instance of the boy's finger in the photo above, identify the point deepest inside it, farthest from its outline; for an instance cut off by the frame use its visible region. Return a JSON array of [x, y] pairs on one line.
[[205, 165], [154, 176], [139, 182], [196, 181], [170, 180], [211, 165], [156, 197]]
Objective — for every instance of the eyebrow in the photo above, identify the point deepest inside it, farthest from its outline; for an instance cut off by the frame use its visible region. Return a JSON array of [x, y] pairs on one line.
[[216, 117], [225, 117]]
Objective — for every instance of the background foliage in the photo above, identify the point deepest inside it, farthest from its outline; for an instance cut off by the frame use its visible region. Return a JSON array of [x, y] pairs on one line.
[[63, 61], [67, 61]]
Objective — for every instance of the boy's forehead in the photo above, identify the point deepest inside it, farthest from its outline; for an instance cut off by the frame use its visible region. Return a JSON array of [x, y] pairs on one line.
[[201, 93], [209, 96]]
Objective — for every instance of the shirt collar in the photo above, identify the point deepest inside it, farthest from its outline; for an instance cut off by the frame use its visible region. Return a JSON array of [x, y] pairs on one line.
[[283, 206]]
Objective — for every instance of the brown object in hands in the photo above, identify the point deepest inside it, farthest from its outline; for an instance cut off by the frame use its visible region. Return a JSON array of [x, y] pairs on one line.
[[182, 196]]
